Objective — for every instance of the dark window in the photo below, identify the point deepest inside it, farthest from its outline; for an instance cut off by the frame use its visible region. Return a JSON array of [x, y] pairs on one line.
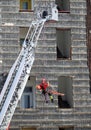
[[27, 101], [63, 37], [3, 77], [21, 42], [28, 89], [65, 86], [63, 5], [23, 33]]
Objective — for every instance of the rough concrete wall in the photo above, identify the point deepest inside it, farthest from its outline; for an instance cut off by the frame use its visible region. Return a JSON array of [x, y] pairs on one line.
[[49, 117], [9, 34]]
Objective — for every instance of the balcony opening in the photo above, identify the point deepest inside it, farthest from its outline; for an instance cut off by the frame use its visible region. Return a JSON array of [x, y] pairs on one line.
[[63, 37], [63, 6], [65, 86]]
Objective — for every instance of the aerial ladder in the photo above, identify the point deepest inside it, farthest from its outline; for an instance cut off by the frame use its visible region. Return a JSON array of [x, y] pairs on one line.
[[20, 71]]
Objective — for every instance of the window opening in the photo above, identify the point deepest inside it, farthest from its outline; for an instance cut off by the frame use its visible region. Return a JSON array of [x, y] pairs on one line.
[[21, 41], [26, 5], [63, 6], [65, 86], [28, 96], [63, 37], [23, 32]]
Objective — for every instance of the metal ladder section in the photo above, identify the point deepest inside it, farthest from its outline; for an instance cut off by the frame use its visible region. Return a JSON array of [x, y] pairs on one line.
[[18, 75]]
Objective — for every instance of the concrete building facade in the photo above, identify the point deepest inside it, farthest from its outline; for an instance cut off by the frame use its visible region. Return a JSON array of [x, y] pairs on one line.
[[61, 58]]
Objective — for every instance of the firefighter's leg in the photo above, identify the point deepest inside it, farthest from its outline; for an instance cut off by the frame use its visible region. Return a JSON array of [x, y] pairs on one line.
[[46, 97]]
